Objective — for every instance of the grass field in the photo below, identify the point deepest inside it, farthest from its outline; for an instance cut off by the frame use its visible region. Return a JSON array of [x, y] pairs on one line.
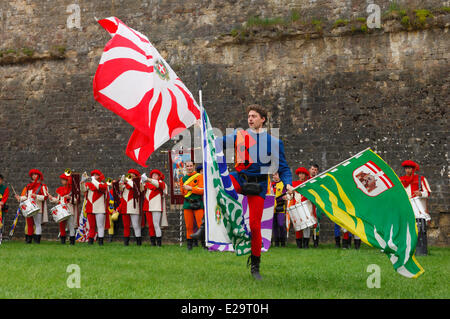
[[115, 271]]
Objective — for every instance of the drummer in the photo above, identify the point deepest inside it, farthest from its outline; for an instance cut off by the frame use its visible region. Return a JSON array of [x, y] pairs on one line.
[[301, 236], [37, 191], [417, 187], [63, 197], [4, 194]]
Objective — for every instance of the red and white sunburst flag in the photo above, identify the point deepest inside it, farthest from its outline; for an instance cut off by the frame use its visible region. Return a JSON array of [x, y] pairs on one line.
[[136, 83]]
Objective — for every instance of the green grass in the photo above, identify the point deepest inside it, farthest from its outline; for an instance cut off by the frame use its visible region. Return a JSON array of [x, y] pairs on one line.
[[115, 271]]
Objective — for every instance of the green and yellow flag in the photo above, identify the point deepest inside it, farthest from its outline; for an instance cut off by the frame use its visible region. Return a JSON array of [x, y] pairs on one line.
[[365, 196]]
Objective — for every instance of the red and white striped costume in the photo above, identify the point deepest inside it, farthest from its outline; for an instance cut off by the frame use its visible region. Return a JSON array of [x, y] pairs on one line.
[[63, 197], [41, 191], [96, 196], [130, 207], [154, 204]]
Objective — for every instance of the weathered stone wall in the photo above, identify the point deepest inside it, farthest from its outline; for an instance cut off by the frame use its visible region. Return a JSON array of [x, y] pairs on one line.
[[333, 86]]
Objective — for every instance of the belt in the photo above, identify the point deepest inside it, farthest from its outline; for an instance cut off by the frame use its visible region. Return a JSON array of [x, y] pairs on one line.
[[254, 179]]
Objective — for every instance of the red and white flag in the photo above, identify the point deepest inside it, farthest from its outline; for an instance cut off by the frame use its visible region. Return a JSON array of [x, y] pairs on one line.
[[136, 83]]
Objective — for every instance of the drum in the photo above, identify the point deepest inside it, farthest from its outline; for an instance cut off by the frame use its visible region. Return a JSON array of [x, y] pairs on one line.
[[60, 213], [29, 208], [419, 206], [302, 215]]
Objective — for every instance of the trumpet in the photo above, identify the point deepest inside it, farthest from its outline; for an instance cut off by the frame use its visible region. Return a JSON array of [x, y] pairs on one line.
[[109, 181], [68, 172], [128, 177]]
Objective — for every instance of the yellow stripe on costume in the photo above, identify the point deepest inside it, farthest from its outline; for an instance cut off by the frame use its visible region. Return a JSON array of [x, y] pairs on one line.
[[188, 181]]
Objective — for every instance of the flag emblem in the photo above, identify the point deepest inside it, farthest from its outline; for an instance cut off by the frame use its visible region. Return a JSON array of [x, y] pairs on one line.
[[371, 180], [161, 70]]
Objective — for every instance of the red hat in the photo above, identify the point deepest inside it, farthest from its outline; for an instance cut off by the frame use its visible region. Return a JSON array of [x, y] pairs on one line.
[[64, 176], [157, 171], [36, 171], [412, 164], [135, 172], [302, 170], [98, 172]]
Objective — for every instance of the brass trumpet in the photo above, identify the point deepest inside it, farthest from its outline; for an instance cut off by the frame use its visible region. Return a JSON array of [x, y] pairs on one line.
[[128, 177], [109, 181]]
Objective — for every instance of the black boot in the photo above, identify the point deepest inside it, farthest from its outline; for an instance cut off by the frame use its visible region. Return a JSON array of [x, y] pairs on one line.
[[100, 241], [344, 243], [338, 241], [189, 244], [126, 241], [139, 241], [159, 241], [195, 242], [305, 242], [316, 242], [254, 261], [349, 242], [153, 241], [200, 233], [37, 239], [110, 238], [277, 243], [357, 243], [91, 241], [283, 243], [63, 240], [28, 239], [72, 240], [299, 242]]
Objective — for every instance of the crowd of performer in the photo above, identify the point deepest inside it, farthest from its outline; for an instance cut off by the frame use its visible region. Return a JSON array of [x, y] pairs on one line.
[[140, 199]]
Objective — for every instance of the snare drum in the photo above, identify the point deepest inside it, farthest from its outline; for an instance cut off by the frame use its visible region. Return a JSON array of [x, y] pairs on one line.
[[60, 213], [29, 208], [302, 215], [420, 208]]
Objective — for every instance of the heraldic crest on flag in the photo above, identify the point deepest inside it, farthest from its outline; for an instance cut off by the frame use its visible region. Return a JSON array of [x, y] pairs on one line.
[[134, 81], [365, 196]]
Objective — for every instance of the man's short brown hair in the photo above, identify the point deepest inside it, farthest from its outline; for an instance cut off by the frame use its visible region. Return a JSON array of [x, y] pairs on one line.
[[258, 109]]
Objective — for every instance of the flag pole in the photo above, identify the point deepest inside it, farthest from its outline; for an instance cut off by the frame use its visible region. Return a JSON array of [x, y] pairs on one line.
[[330, 169]]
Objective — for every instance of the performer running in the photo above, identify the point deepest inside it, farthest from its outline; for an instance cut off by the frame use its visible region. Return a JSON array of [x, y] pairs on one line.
[[37, 191], [154, 205], [257, 154], [191, 186], [4, 194], [279, 216], [417, 187], [131, 206], [96, 205], [301, 236], [64, 196]]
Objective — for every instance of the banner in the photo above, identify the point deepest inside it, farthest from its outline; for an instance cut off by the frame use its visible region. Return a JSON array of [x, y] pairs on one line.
[[177, 158], [365, 196]]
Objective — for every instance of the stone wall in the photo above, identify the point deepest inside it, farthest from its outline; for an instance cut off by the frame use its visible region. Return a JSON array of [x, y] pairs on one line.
[[333, 86]]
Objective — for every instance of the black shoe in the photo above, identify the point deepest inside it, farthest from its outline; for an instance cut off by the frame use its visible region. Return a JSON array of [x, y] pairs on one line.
[[195, 242], [299, 242], [189, 244], [72, 240], [91, 241], [338, 241], [200, 233], [277, 243], [159, 241], [344, 243], [100, 241], [126, 241], [37, 239], [254, 270], [139, 241], [153, 241], [357, 243], [63, 240], [283, 243], [316, 242], [305, 242], [28, 239], [110, 238]]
